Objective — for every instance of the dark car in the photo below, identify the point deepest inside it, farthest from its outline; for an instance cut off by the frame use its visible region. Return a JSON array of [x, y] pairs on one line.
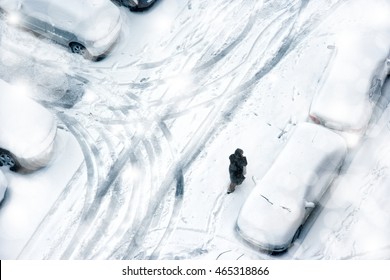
[[135, 5]]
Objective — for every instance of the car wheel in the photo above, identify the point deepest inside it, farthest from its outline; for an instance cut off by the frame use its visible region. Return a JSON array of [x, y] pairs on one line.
[[79, 49], [133, 8], [6, 159]]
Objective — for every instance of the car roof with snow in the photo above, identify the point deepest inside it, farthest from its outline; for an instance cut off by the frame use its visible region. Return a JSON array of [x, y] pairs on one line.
[[351, 86], [26, 127], [302, 172]]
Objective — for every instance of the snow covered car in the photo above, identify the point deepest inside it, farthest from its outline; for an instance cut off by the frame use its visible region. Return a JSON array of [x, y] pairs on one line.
[[89, 27], [136, 4], [27, 131], [3, 186], [351, 88], [273, 214]]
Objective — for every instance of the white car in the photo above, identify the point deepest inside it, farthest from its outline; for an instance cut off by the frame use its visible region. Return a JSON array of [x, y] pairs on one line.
[[27, 131], [87, 27], [275, 210], [352, 85], [3, 186]]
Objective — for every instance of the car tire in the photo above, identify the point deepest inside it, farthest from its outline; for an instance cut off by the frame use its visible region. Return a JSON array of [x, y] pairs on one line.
[[133, 8], [78, 48], [6, 159]]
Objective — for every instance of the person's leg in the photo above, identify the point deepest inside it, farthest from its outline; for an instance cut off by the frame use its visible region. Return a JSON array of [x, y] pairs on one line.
[[232, 188]]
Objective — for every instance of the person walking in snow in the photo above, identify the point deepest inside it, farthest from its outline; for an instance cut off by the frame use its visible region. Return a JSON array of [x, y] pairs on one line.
[[237, 169]]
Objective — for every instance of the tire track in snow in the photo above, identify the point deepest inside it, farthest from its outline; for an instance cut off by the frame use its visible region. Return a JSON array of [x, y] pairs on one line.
[[91, 159], [191, 150], [178, 202], [201, 71], [125, 222], [130, 214], [107, 211], [175, 57], [43, 230], [90, 214], [92, 207], [95, 176], [130, 236], [227, 48]]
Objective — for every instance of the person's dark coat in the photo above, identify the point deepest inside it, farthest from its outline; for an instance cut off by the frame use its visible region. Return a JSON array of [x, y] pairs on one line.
[[236, 167]]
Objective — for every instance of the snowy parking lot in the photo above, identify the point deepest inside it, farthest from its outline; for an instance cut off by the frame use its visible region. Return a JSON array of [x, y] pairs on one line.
[[140, 169]]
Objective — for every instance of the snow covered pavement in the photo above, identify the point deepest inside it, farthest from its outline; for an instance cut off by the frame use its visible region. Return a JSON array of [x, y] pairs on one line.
[[187, 83]]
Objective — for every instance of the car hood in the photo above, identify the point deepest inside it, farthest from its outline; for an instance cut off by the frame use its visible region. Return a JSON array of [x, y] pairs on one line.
[[26, 127], [275, 221]]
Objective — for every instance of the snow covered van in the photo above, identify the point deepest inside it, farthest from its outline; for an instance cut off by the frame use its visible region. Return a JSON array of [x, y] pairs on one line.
[[352, 85], [27, 131], [88, 27], [275, 210]]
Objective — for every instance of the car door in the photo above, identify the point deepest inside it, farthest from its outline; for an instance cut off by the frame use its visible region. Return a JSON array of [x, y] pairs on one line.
[[325, 173], [60, 25]]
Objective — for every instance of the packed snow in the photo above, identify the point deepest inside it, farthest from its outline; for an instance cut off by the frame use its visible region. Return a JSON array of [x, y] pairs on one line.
[[140, 169]]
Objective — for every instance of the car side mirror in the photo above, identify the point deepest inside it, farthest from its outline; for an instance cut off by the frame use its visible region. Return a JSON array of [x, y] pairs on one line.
[[309, 204]]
